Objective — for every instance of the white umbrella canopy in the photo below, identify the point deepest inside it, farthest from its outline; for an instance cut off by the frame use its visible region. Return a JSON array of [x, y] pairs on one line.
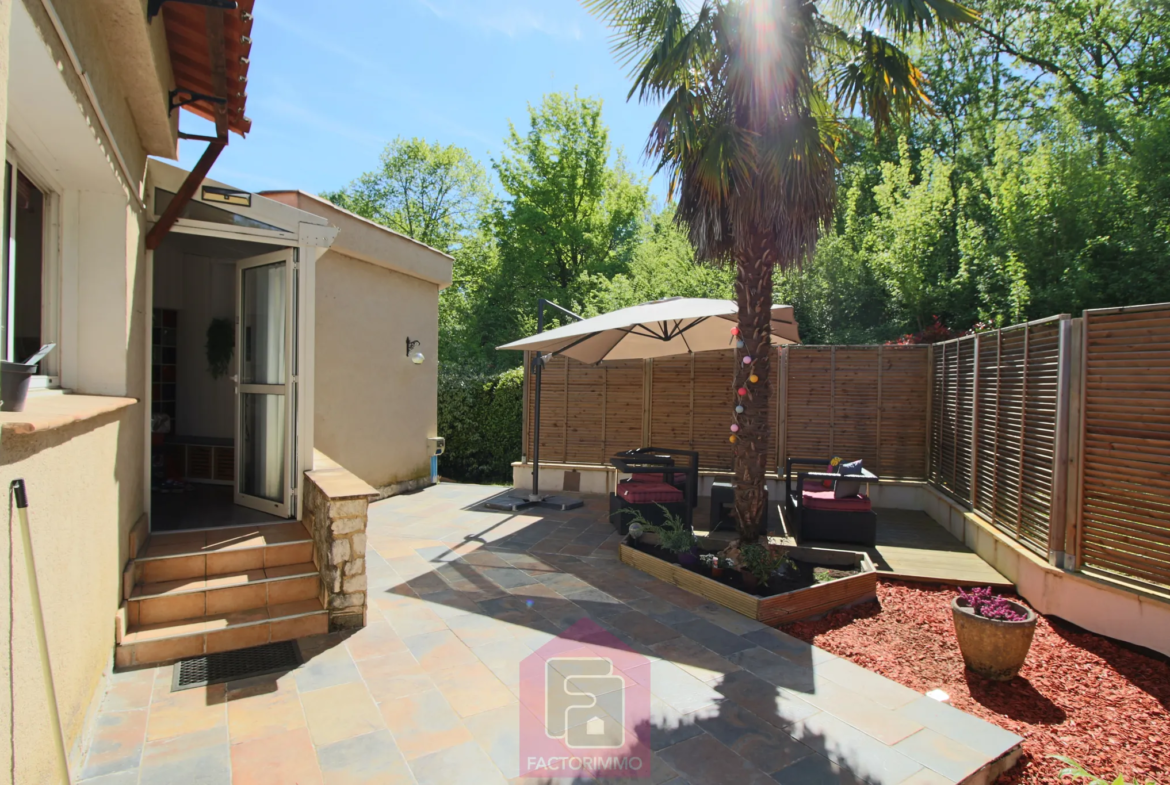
[[678, 325]]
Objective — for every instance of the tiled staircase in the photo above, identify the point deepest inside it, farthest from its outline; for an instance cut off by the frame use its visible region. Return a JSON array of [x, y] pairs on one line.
[[202, 592]]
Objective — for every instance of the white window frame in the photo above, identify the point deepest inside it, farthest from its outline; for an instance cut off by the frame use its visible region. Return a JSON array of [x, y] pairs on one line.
[[26, 164]]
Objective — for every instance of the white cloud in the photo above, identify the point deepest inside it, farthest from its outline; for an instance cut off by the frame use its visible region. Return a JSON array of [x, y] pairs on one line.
[[505, 17]]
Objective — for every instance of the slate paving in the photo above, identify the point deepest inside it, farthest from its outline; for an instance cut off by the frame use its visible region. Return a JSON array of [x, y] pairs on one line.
[[430, 690]]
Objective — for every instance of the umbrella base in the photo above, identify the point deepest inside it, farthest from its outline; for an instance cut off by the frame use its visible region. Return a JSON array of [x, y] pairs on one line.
[[516, 501]]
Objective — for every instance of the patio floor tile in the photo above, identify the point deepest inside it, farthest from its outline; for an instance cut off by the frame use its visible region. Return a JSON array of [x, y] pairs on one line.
[[372, 759], [429, 691], [423, 723], [940, 754], [200, 758], [462, 764], [862, 754], [816, 770], [116, 745], [704, 761], [440, 650], [257, 716], [767, 747], [471, 689], [276, 760], [992, 740], [327, 669], [342, 712]]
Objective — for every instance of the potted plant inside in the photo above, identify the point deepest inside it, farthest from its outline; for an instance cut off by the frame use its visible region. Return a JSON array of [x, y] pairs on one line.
[[994, 632], [673, 535], [757, 563]]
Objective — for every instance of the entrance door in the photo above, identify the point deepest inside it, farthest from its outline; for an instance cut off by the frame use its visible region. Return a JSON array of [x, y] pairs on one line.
[[266, 381]]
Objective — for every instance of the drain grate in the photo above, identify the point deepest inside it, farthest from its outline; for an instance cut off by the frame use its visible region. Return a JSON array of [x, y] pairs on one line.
[[232, 665]]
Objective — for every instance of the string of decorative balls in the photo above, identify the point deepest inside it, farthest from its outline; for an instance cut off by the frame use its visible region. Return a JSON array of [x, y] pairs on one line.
[[742, 391]]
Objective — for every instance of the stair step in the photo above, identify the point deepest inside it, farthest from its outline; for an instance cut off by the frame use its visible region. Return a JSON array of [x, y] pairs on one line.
[[174, 601], [145, 644], [179, 556]]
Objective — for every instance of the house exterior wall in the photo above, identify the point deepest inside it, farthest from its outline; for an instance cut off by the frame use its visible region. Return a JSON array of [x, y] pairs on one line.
[[85, 472], [374, 408]]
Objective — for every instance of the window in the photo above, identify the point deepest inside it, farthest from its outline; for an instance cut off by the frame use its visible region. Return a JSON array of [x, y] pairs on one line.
[[198, 211], [22, 276]]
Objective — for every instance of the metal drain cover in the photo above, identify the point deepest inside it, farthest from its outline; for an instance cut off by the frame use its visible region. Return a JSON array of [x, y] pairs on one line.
[[231, 665]]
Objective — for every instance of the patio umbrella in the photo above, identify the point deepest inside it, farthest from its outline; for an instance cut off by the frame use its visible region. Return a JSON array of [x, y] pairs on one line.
[[677, 325]]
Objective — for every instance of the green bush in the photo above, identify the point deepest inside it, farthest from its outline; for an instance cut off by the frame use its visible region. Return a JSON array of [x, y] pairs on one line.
[[481, 417]]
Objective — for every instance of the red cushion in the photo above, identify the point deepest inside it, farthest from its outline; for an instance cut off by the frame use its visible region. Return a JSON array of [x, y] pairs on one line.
[[680, 478], [825, 500], [649, 492]]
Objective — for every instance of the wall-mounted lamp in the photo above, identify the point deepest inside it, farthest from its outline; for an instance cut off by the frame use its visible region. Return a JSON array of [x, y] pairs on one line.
[[416, 358]]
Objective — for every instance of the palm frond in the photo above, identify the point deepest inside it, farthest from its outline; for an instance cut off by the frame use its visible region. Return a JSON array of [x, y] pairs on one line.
[[903, 17], [873, 74]]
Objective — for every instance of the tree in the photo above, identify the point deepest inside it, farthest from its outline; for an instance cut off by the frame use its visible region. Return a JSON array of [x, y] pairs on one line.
[[753, 92], [436, 194], [439, 195], [571, 213]]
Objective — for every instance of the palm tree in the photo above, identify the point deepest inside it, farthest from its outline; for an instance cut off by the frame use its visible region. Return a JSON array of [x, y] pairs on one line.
[[754, 94]]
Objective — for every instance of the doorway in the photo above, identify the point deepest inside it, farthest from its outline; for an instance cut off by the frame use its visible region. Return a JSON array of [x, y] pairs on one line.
[[222, 369]]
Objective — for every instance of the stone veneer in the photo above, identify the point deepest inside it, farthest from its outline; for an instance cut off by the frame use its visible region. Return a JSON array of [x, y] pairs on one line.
[[335, 507]]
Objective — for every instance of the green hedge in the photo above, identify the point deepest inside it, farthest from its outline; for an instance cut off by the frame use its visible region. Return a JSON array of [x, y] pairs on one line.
[[481, 416]]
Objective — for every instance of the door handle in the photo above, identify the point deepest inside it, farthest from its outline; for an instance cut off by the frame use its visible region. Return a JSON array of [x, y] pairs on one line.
[[235, 377]]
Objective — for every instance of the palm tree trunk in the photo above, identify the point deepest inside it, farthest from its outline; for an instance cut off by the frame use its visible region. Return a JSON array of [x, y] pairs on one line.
[[753, 295]]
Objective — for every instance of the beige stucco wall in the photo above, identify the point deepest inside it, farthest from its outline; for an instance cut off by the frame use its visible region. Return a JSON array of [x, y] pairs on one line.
[[374, 408], [85, 493], [85, 480]]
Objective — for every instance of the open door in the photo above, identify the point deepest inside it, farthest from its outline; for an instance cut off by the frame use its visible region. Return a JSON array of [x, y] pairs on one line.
[[266, 329]]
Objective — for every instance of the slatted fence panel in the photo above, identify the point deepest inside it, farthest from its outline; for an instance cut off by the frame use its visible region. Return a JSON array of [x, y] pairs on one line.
[[902, 423], [1125, 512], [865, 402], [714, 400], [952, 414], [994, 434]]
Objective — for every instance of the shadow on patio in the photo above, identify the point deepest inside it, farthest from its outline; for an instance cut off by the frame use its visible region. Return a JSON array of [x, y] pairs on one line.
[[472, 593]]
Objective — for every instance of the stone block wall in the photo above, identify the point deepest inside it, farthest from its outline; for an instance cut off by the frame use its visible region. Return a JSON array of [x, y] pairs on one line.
[[335, 508]]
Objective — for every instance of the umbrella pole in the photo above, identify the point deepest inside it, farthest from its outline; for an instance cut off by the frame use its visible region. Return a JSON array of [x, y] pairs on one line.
[[538, 366], [515, 500]]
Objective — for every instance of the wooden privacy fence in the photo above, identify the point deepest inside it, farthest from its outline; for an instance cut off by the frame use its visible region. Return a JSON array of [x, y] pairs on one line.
[[853, 401], [1057, 432], [994, 426], [1124, 523]]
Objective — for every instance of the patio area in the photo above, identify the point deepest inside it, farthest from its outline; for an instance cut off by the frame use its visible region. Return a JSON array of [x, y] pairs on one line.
[[429, 691]]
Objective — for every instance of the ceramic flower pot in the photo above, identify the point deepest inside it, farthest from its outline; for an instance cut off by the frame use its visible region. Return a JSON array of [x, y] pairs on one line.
[[993, 649], [750, 582], [688, 558], [716, 572]]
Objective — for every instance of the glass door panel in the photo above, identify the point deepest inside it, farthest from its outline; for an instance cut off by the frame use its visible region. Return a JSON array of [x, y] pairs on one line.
[[264, 418]]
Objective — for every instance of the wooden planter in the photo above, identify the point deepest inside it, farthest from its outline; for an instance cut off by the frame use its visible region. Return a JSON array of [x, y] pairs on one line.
[[781, 608]]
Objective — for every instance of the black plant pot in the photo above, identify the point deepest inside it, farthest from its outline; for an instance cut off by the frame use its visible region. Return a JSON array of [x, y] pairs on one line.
[[14, 379]]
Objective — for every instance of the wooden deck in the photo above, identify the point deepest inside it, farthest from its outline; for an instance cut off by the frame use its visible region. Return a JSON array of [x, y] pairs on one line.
[[912, 547]]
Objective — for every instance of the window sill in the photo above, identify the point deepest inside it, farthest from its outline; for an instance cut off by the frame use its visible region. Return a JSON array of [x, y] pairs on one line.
[[47, 410]]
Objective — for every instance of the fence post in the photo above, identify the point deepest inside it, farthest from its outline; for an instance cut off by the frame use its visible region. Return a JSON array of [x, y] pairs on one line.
[[929, 414], [1057, 521], [974, 486], [647, 399], [782, 414], [878, 446]]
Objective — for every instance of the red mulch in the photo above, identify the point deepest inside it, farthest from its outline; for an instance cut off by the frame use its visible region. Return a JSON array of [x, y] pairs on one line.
[[1079, 694]]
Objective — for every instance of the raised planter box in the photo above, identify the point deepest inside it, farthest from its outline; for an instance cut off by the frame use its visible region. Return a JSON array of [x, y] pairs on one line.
[[780, 608]]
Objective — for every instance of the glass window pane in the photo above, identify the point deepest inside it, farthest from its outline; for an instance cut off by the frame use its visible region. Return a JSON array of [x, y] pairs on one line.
[[262, 461], [4, 275], [262, 326], [199, 211]]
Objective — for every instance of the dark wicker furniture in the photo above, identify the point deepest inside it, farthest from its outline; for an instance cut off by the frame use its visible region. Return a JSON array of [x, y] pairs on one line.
[[814, 514]]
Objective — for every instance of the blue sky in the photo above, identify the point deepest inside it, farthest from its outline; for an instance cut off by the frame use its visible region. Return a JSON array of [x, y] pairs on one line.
[[331, 82]]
